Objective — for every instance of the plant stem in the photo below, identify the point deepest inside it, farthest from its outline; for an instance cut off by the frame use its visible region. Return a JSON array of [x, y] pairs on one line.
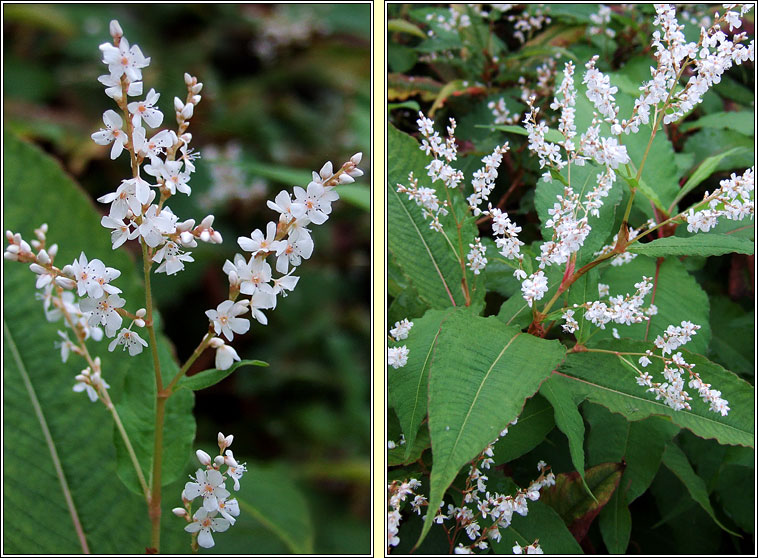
[[160, 407], [183, 370]]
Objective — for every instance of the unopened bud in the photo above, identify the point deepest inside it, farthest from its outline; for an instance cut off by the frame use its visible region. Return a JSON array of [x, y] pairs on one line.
[[218, 460], [8, 255], [179, 512], [188, 111], [53, 251], [216, 237], [65, 282], [196, 99], [115, 29], [186, 137], [186, 237], [187, 79], [346, 178], [216, 342], [205, 236], [178, 104], [197, 88], [36, 244], [207, 222], [68, 271], [141, 313], [82, 378], [43, 257], [225, 441], [38, 269], [139, 322], [356, 159], [203, 457], [327, 170]]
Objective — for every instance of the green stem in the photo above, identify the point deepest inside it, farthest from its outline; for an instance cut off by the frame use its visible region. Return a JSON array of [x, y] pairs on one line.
[[183, 370]]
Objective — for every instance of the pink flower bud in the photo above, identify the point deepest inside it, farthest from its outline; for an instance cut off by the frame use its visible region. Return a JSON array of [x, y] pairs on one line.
[[179, 512]]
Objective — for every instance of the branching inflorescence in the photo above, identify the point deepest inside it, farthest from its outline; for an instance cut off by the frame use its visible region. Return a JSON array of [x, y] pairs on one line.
[[83, 295]]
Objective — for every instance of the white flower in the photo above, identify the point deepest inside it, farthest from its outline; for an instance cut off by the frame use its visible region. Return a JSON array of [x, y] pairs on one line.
[[401, 329], [66, 345], [113, 87], [225, 319], [257, 243], [103, 311], [172, 258], [225, 354], [92, 278], [155, 225], [130, 340], [121, 231], [297, 247], [155, 146], [111, 133], [254, 276], [210, 485], [535, 287], [317, 201], [263, 298], [284, 283], [205, 522], [236, 472], [229, 509], [145, 110], [124, 60], [91, 383], [283, 204], [132, 194], [397, 357]]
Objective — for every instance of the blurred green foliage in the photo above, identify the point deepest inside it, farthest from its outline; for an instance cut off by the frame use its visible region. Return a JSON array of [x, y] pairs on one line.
[[288, 86]]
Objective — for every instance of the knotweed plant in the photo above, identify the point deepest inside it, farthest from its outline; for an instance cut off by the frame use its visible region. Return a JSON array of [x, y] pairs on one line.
[[84, 297], [584, 317]]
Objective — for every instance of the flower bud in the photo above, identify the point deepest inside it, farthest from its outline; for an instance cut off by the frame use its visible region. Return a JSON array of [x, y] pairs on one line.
[[196, 99], [53, 251], [203, 457], [179, 512], [65, 282], [139, 322], [356, 159], [224, 441], [186, 137], [36, 244], [218, 460], [8, 255], [187, 79], [115, 29], [178, 104], [205, 236], [68, 271], [195, 89], [207, 222], [346, 179], [43, 257], [216, 237], [38, 269], [188, 111], [141, 313], [216, 342], [186, 237], [355, 173], [185, 225], [327, 170]]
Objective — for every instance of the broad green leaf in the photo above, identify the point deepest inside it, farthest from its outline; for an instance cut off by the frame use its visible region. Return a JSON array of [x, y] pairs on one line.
[[678, 296], [482, 372], [423, 254], [639, 444], [675, 459], [269, 495], [515, 312], [704, 170], [543, 523], [704, 143], [402, 455], [732, 345], [569, 421], [113, 519], [705, 244], [604, 379], [208, 378], [615, 523], [739, 121], [407, 304], [582, 180], [572, 502], [403, 26], [407, 387], [584, 289], [410, 105], [534, 423], [739, 505]]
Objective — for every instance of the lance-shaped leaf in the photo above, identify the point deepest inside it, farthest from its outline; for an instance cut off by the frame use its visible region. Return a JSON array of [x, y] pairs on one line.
[[543, 523], [605, 379], [407, 387], [615, 523], [534, 423], [482, 372], [569, 498], [424, 256], [676, 460], [208, 378], [707, 244]]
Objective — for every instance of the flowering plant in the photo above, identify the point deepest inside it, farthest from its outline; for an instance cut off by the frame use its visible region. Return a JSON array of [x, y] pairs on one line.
[[105, 317], [582, 301]]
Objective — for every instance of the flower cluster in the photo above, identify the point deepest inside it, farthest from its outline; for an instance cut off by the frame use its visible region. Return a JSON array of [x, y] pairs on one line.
[[397, 357], [674, 367], [397, 493], [731, 200], [501, 113], [533, 548], [600, 22], [623, 310], [529, 21], [210, 485]]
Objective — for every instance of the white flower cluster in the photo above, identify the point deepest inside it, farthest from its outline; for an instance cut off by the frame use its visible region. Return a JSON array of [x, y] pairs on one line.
[[80, 294], [674, 367], [453, 20], [532, 19], [533, 548], [210, 485], [228, 180], [601, 20], [476, 257], [426, 198], [623, 310], [624, 257], [501, 113], [479, 504], [288, 242], [166, 156], [731, 200], [710, 57], [401, 329], [397, 357], [397, 493], [392, 445]]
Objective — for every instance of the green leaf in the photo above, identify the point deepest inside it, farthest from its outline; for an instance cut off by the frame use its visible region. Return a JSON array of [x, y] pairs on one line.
[[604, 379], [515, 312], [678, 296], [705, 244], [615, 523], [482, 372], [543, 523], [271, 497], [677, 462], [423, 254], [704, 143], [732, 344], [569, 421], [534, 423], [403, 455], [211, 377], [553, 135], [355, 194], [403, 26], [81, 432], [410, 105], [407, 386], [447, 90], [572, 502], [739, 121], [704, 170]]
